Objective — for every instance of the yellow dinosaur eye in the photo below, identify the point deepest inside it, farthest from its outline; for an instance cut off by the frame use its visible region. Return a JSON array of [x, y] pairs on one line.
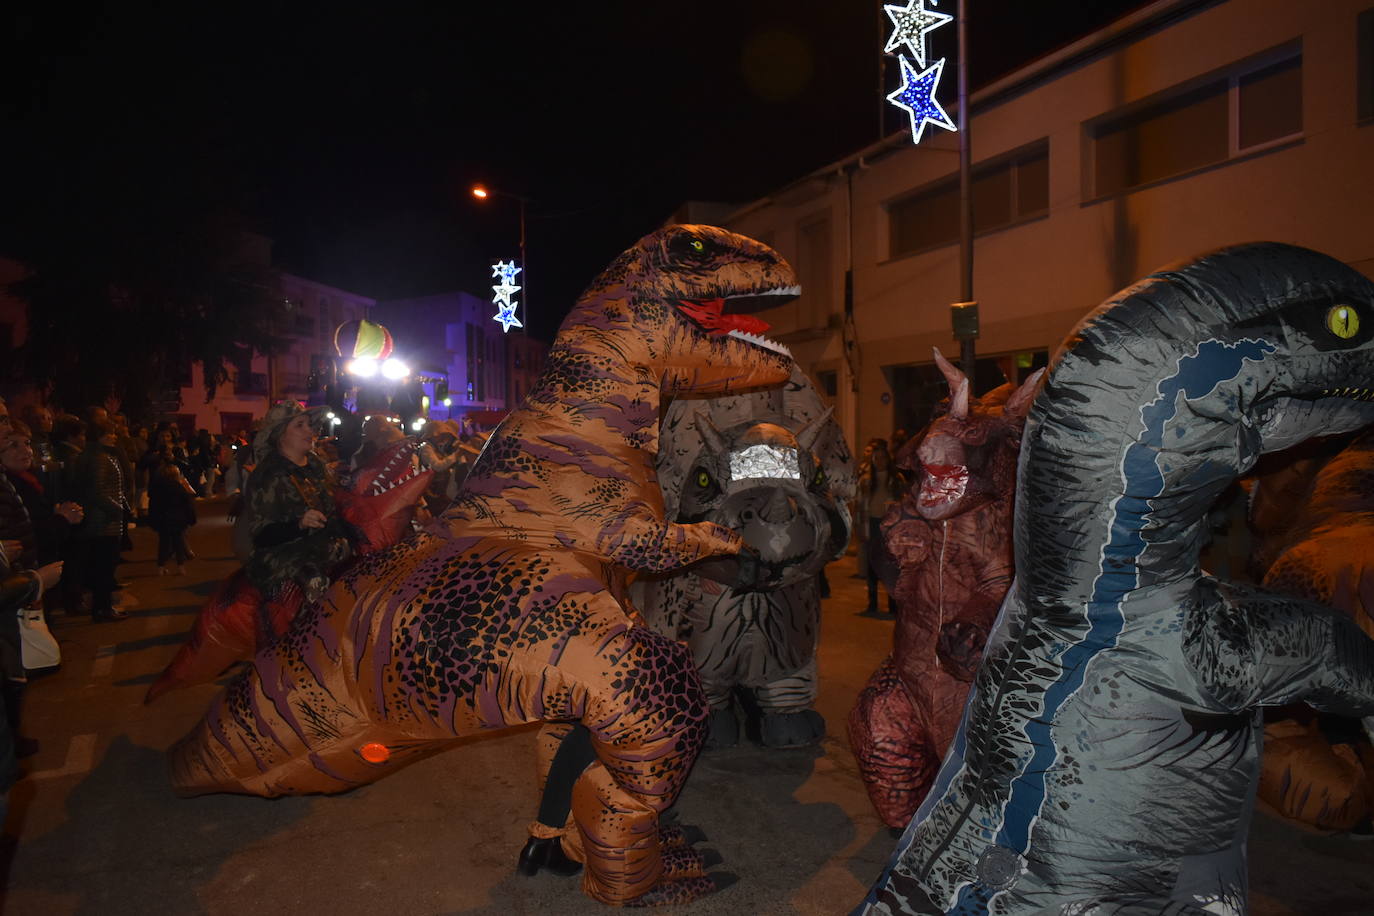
[[1343, 321], [698, 246], [820, 477], [703, 479]]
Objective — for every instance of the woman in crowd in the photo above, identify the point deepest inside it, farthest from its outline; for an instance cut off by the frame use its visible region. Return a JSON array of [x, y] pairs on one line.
[[289, 512], [880, 486], [98, 484], [171, 510]]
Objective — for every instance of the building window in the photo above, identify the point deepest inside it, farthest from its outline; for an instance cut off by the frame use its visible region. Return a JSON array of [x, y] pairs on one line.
[[829, 382], [1252, 107], [1008, 191], [1364, 65]]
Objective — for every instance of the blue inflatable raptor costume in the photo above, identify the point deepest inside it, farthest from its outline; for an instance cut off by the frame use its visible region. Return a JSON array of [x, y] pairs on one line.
[[1109, 752]]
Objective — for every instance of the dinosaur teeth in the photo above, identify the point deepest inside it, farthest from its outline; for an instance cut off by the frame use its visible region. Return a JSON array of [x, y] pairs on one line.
[[758, 341]]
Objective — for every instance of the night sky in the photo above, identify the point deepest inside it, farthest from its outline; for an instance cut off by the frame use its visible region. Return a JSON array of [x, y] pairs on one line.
[[350, 135]]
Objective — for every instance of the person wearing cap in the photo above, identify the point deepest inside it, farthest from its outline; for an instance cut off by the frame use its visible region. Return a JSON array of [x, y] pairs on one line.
[[289, 511]]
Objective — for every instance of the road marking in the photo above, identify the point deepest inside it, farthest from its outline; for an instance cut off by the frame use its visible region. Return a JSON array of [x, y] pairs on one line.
[[80, 756], [104, 661]]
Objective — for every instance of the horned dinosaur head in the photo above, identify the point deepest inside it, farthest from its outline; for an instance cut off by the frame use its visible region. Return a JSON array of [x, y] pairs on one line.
[[678, 306], [967, 456], [381, 503]]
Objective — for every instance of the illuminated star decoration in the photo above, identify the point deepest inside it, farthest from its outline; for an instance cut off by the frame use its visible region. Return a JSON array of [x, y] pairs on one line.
[[505, 270], [917, 96], [909, 27], [503, 295]]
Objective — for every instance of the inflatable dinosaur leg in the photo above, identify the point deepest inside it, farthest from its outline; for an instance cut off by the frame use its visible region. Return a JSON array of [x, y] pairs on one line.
[[891, 746], [648, 724], [787, 717]]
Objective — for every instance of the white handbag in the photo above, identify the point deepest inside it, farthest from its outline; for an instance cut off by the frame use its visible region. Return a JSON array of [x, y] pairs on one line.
[[39, 649]]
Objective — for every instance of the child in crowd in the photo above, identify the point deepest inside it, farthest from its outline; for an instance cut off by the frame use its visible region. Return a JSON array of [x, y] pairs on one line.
[[171, 510]]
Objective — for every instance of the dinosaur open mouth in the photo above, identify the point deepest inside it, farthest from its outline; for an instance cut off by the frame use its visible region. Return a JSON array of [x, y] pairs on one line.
[[730, 316], [398, 469]]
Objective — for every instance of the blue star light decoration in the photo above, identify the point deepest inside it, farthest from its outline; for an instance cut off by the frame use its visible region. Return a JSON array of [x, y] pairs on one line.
[[505, 270], [910, 24], [503, 295], [917, 96]]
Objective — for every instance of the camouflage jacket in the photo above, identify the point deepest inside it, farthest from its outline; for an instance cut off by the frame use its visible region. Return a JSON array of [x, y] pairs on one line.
[[278, 494]]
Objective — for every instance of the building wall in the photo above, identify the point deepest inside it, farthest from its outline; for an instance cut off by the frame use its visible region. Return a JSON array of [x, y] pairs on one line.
[[310, 312], [1035, 280]]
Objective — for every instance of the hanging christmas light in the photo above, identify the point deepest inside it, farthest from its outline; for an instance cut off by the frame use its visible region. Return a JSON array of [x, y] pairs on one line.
[[910, 26], [503, 294]]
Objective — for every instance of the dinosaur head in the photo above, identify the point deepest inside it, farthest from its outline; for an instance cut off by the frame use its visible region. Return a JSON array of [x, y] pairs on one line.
[[678, 307], [967, 456], [381, 503]]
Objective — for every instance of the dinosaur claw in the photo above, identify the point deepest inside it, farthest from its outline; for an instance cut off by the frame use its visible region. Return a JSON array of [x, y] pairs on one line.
[[711, 857]]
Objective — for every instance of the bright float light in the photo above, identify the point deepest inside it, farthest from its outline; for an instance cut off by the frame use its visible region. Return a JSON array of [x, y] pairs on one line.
[[418, 424], [395, 369], [448, 402], [362, 367]]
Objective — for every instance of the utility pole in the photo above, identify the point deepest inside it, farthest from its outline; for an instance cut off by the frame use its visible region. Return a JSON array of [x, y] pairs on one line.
[[964, 313]]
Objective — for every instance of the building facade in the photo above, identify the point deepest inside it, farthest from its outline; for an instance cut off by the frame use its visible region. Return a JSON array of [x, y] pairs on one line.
[[451, 336], [1180, 128], [309, 313]]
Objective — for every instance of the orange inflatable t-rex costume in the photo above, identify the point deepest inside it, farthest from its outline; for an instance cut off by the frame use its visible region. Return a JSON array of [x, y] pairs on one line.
[[510, 608]]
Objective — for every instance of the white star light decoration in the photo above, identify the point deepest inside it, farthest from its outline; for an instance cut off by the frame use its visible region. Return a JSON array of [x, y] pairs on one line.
[[503, 294], [909, 27], [910, 24]]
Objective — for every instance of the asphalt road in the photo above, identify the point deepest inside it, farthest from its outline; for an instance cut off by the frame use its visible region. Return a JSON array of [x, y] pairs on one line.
[[93, 827]]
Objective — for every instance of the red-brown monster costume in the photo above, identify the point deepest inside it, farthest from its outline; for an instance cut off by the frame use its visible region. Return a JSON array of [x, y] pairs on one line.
[[951, 539], [236, 620], [1318, 543], [510, 608]]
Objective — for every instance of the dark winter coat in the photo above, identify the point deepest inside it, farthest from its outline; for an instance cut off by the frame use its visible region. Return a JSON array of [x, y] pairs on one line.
[[170, 507], [98, 485], [50, 529], [15, 524]]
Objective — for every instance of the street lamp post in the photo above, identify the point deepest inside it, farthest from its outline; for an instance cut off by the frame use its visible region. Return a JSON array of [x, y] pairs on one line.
[[482, 192]]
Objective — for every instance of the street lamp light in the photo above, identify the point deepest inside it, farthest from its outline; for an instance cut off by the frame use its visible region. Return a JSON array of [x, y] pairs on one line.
[[482, 192]]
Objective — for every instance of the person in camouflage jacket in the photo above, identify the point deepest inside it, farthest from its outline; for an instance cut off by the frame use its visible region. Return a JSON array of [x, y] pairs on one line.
[[296, 532]]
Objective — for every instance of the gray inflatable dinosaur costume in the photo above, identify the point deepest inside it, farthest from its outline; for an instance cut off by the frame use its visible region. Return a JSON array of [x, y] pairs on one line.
[[774, 467], [1109, 752]]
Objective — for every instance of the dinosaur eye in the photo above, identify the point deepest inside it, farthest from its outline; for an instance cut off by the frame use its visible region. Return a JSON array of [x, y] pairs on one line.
[[703, 479], [819, 479], [697, 245], [1343, 321]]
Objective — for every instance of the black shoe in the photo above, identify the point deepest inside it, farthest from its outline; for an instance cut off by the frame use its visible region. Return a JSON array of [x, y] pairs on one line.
[[546, 854], [25, 747], [107, 616]]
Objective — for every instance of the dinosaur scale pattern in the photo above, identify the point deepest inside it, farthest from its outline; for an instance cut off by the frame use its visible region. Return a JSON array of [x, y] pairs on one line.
[[1109, 753], [510, 608]]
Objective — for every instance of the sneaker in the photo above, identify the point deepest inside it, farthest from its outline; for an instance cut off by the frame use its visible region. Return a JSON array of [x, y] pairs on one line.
[[163, 571]]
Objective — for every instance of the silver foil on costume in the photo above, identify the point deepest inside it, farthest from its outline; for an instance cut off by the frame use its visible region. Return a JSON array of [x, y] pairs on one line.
[[759, 462]]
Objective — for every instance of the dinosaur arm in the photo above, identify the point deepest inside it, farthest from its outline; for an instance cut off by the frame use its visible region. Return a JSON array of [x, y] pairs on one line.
[[638, 540], [1263, 649]]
